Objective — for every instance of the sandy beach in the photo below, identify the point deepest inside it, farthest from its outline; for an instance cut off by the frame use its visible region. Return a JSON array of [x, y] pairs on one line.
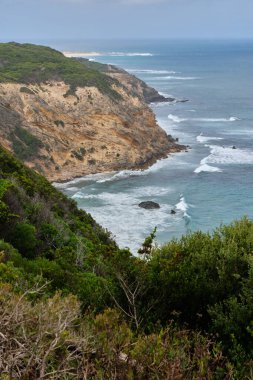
[[80, 54]]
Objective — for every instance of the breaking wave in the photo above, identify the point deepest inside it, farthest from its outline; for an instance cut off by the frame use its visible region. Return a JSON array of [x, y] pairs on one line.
[[215, 120], [228, 155], [126, 54], [147, 71], [203, 139], [175, 118], [207, 168], [171, 77], [183, 207]]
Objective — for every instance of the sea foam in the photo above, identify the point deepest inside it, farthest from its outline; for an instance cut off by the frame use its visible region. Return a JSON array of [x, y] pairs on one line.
[[203, 139], [171, 77], [123, 207], [175, 118], [228, 155], [183, 206], [207, 168], [122, 175], [147, 71], [127, 54], [216, 120]]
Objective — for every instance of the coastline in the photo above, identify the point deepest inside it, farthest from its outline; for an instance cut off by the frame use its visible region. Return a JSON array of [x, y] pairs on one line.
[[77, 54], [138, 167], [81, 127]]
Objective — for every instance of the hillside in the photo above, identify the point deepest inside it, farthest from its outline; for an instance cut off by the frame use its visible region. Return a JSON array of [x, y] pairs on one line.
[[66, 117], [73, 304]]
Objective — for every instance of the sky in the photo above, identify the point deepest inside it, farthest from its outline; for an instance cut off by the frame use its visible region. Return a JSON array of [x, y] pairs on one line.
[[40, 20]]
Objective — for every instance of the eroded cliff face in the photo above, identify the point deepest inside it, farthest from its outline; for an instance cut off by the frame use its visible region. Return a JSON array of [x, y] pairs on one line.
[[64, 137]]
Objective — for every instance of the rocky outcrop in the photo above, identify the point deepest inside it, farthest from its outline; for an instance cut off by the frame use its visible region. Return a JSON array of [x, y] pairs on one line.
[[64, 134], [149, 205], [134, 85]]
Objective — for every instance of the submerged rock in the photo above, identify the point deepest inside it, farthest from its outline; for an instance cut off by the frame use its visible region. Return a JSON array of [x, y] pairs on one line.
[[173, 212], [149, 205]]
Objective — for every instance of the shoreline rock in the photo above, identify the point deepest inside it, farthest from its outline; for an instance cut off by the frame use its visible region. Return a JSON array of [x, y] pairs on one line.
[[149, 205]]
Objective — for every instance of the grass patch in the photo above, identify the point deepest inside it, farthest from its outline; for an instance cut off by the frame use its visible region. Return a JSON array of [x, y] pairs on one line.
[[28, 63]]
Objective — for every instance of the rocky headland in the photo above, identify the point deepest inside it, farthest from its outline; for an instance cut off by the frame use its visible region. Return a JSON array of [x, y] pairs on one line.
[[65, 127]]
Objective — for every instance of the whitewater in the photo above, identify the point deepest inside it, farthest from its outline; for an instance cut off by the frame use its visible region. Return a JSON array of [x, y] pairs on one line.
[[211, 183]]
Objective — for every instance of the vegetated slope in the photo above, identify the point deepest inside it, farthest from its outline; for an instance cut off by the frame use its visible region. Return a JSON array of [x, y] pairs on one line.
[[54, 238], [28, 63], [201, 282], [65, 118], [50, 249]]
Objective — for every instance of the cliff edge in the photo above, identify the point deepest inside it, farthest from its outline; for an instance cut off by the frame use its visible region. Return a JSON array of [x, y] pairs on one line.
[[66, 118]]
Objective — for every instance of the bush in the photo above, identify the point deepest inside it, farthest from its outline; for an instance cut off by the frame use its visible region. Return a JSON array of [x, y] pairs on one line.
[[59, 122], [25, 145], [26, 90], [24, 239]]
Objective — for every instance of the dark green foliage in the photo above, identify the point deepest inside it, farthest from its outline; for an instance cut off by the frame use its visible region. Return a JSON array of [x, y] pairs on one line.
[[5, 212], [4, 186], [26, 90], [206, 281], [59, 122], [42, 223], [147, 246], [24, 239], [25, 145], [27, 63], [79, 154]]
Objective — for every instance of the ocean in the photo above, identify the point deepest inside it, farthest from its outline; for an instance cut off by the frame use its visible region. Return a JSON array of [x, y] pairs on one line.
[[209, 185]]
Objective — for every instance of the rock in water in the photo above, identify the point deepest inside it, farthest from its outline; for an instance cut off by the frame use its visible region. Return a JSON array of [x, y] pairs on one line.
[[149, 205]]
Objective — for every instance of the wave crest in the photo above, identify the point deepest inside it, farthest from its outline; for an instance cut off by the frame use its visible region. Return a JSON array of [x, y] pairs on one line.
[[171, 77], [228, 155], [203, 139], [183, 207], [207, 168], [127, 54], [149, 71], [175, 118]]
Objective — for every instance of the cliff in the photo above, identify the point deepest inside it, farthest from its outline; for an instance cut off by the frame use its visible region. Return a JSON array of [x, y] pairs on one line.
[[67, 118]]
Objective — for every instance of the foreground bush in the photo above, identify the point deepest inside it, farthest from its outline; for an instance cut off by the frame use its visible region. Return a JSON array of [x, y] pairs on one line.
[[49, 339]]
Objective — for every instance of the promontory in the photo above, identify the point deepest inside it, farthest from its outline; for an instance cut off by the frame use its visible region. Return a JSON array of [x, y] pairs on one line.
[[67, 117]]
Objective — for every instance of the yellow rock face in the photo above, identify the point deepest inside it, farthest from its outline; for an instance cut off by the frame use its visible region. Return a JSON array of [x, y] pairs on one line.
[[86, 133]]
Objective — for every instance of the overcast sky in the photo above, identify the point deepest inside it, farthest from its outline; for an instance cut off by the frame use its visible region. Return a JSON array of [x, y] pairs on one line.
[[33, 20]]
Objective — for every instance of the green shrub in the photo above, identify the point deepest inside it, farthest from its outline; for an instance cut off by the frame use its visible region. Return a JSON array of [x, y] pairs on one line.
[[25, 145], [24, 239], [79, 154], [59, 122], [26, 90]]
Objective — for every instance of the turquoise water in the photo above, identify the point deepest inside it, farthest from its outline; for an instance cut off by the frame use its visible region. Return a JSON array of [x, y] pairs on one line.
[[209, 185]]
